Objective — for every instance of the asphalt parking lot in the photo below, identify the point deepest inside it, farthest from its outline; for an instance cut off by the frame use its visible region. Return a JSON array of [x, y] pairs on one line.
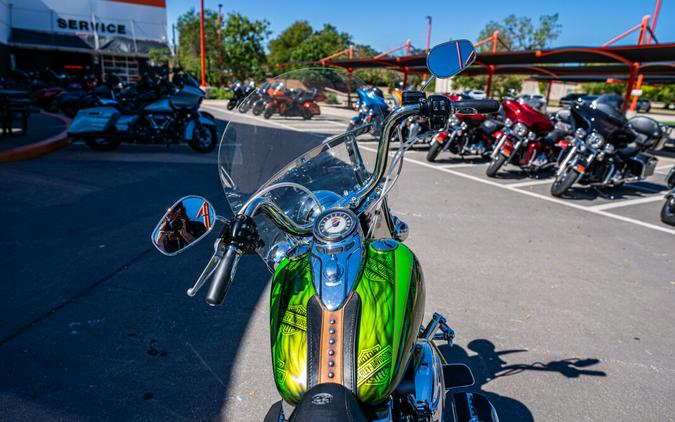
[[562, 308]]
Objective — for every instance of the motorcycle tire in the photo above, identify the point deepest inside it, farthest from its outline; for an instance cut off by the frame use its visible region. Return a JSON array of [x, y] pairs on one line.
[[495, 165], [102, 144], [204, 139], [231, 105], [433, 152], [668, 211], [268, 113], [306, 115], [245, 107], [564, 182], [258, 108]]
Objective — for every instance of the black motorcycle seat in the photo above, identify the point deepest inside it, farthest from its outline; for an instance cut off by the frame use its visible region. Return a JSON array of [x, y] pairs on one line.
[[646, 130], [628, 151], [328, 403]]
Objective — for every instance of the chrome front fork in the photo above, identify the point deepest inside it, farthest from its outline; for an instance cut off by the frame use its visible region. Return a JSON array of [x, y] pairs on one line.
[[499, 146]]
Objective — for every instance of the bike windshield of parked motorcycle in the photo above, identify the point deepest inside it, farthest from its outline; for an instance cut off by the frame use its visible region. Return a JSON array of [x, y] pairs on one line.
[[305, 127]]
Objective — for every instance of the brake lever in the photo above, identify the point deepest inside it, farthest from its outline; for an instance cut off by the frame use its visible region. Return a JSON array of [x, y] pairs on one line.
[[209, 269]]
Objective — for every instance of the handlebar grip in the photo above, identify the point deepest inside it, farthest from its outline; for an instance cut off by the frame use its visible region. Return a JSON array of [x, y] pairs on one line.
[[481, 106], [222, 277]]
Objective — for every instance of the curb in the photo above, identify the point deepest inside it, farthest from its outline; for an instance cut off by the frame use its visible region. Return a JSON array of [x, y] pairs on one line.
[[39, 148]]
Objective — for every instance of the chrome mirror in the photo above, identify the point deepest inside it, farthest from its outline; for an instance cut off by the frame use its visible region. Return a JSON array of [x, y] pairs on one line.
[[185, 223], [450, 58]]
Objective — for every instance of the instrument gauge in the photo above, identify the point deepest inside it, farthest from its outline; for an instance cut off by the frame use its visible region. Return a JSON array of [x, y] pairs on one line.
[[335, 224]]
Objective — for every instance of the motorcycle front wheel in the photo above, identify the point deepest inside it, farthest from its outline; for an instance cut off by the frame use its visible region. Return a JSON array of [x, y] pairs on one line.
[[231, 105], [268, 112], [668, 211], [258, 108], [102, 144], [433, 152], [204, 138], [564, 182], [245, 107], [495, 165]]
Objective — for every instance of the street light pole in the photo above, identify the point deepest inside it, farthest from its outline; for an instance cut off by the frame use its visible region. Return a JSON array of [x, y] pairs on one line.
[[201, 42]]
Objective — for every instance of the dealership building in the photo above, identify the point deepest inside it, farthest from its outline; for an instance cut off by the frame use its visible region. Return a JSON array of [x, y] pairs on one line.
[[107, 35]]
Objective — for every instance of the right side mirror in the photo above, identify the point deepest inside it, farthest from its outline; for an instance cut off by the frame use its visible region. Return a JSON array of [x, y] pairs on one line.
[[184, 224], [450, 58]]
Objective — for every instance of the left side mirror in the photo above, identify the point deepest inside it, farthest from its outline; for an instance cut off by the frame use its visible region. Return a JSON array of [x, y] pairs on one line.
[[450, 58], [184, 224]]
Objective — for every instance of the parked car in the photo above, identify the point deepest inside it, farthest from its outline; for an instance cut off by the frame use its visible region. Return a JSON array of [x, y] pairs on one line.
[[570, 98], [536, 101], [643, 106], [476, 94]]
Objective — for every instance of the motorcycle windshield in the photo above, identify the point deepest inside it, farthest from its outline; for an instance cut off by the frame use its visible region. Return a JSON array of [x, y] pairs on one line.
[[293, 139]]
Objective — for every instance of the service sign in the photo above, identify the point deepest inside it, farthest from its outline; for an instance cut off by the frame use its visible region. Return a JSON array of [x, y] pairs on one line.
[[139, 19]]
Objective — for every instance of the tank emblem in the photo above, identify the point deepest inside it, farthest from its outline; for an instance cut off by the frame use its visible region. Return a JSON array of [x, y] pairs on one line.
[[294, 320], [322, 399], [372, 365]]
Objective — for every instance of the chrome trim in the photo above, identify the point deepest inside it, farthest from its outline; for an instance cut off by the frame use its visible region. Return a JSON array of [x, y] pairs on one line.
[[499, 145], [428, 378], [568, 158], [270, 209], [335, 268], [383, 151]]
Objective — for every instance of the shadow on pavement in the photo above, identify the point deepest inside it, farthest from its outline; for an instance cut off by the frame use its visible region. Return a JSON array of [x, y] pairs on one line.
[[487, 364]]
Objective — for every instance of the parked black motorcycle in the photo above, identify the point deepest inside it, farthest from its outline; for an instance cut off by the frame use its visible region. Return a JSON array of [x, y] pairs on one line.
[[668, 210], [607, 150], [256, 100], [239, 93], [171, 119]]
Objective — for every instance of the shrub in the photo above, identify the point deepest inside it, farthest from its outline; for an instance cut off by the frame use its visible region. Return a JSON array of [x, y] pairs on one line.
[[331, 98], [219, 93]]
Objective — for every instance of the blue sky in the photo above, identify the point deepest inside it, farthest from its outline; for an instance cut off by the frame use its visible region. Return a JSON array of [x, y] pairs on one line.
[[385, 25]]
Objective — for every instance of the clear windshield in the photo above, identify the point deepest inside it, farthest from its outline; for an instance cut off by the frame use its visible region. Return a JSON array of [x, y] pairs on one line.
[[299, 131]]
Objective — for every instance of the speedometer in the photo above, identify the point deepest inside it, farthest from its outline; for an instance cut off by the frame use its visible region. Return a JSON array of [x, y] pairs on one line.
[[335, 224]]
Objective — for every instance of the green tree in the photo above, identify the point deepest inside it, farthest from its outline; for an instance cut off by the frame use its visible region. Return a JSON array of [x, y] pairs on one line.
[[516, 33], [243, 47], [241, 54], [282, 47], [321, 44]]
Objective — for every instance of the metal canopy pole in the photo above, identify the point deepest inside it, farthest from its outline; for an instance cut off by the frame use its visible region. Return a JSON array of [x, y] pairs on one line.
[[634, 69], [488, 87], [201, 42]]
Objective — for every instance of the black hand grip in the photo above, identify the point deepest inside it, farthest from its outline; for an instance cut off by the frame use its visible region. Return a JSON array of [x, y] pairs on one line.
[[222, 278], [481, 106]]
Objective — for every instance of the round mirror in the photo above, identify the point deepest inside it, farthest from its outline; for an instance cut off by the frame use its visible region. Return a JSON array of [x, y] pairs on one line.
[[450, 58], [184, 224]]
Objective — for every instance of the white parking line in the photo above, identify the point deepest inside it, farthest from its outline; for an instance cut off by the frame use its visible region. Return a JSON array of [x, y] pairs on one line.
[[628, 202], [461, 165], [539, 196], [531, 183]]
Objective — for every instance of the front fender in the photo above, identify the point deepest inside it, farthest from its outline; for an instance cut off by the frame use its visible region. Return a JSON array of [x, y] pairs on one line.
[[204, 119]]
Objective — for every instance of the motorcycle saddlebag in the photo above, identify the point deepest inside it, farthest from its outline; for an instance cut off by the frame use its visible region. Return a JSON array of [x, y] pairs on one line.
[[93, 120], [642, 165]]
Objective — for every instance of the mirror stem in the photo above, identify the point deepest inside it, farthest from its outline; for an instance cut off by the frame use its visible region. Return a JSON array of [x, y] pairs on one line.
[[426, 84]]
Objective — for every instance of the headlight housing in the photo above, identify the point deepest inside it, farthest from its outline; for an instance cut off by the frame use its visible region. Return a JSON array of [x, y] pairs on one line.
[[580, 133], [520, 130], [508, 123], [595, 140], [531, 136], [454, 120]]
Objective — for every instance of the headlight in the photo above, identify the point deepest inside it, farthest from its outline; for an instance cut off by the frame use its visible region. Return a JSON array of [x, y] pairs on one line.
[[454, 120], [580, 133], [531, 136], [508, 123], [595, 140], [609, 149], [520, 130]]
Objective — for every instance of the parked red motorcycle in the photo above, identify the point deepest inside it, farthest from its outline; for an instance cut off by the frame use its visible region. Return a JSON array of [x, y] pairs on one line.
[[291, 102], [528, 140], [466, 134]]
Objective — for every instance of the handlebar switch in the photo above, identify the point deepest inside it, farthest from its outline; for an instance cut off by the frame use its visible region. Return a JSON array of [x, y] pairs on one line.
[[242, 233], [411, 97], [438, 108]]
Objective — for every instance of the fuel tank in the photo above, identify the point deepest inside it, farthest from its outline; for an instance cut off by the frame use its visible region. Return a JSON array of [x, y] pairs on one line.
[[366, 344], [523, 113], [160, 106]]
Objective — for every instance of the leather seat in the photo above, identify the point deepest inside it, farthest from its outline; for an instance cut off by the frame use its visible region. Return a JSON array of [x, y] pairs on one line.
[[490, 126], [328, 403], [646, 130]]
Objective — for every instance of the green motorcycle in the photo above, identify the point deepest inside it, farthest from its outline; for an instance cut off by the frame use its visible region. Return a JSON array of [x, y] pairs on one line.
[[347, 296]]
